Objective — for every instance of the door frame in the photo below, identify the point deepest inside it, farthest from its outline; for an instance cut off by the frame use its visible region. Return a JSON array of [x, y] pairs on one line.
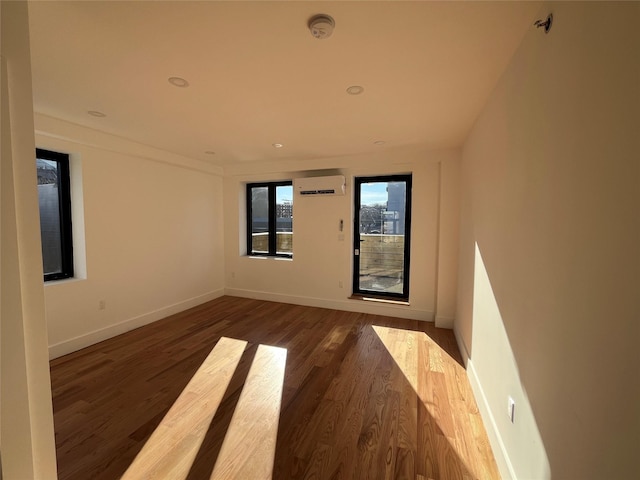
[[357, 182]]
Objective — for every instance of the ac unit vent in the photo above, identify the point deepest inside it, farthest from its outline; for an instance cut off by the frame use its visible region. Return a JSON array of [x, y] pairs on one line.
[[320, 186]]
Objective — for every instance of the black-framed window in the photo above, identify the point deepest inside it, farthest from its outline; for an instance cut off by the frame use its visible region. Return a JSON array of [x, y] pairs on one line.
[[270, 219], [382, 233], [54, 198]]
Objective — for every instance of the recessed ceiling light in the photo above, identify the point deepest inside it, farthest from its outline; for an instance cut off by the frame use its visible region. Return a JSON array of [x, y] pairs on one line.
[[210, 152], [355, 90], [277, 145], [95, 113], [178, 82], [379, 142]]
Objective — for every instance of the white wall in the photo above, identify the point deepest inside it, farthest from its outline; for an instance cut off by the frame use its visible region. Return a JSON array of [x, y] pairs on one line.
[[26, 417], [320, 259], [152, 232], [548, 303], [448, 243]]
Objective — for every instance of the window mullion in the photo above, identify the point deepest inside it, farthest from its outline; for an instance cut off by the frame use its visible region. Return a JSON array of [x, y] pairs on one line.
[[272, 220], [249, 220], [65, 219]]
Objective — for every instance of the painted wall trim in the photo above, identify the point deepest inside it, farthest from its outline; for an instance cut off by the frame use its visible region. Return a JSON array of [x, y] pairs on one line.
[[345, 305], [392, 159], [461, 345], [56, 128], [91, 338], [495, 439], [445, 322]]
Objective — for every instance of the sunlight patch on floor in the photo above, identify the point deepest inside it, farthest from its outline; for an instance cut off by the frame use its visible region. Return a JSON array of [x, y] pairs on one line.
[[432, 373], [248, 450]]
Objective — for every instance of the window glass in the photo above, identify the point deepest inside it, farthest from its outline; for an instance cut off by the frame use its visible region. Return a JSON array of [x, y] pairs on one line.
[[259, 220], [270, 219], [284, 219], [54, 200]]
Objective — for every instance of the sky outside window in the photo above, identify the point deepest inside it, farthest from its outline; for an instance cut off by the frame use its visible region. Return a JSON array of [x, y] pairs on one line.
[[373, 193], [284, 193]]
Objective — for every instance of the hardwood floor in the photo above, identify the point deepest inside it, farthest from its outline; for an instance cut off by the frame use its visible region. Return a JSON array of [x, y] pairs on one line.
[[246, 389]]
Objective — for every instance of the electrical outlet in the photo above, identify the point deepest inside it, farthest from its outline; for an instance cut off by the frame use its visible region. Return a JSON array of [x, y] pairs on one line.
[[102, 305], [340, 283], [511, 409]]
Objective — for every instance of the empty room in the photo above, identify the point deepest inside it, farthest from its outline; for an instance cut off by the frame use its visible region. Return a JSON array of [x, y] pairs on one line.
[[319, 240]]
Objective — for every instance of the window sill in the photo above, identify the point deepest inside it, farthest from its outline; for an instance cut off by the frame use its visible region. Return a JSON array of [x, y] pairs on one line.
[[269, 257], [63, 281], [379, 299]]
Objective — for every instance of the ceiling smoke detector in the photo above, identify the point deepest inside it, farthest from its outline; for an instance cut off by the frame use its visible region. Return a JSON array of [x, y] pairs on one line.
[[321, 26]]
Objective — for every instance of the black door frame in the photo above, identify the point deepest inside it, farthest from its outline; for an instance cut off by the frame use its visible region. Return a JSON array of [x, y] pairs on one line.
[[358, 181]]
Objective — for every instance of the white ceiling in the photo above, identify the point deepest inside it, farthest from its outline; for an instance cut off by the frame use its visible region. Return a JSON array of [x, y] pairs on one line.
[[258, 77]]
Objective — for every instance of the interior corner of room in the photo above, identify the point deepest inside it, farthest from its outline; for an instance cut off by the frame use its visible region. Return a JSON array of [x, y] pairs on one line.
[[517, 130]]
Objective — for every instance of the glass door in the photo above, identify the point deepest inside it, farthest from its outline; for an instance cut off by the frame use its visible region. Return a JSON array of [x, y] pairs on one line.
[[381, 236]]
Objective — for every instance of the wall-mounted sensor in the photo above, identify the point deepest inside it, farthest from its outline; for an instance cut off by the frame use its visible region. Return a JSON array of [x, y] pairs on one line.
[[546, 24]]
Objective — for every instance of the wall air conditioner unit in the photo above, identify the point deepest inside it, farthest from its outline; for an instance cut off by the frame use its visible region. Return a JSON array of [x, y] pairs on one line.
[[334, 185]]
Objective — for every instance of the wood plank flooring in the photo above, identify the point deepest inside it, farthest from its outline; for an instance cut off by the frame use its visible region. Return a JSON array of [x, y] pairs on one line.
[[357, 397]]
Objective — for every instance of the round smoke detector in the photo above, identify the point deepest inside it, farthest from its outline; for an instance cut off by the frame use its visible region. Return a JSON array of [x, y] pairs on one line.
[[321, 26]]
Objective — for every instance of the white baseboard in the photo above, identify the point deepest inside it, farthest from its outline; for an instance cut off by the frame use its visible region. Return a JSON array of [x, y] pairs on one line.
[[495, 439], [401, 311], [87, 339], [461, 346]]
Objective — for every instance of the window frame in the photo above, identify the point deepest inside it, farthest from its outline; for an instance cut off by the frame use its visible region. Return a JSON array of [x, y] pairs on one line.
[[64, 212], [358, 181], [272, 221]]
